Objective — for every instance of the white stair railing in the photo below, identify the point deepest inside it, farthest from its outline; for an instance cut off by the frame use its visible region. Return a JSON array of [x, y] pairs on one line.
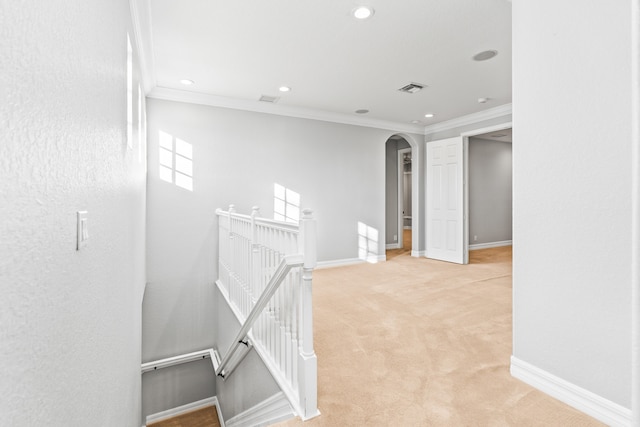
[[265, 274]]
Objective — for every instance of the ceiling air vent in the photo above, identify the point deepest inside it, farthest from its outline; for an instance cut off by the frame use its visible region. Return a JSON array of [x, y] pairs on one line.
[[267, 98], [412, 88]]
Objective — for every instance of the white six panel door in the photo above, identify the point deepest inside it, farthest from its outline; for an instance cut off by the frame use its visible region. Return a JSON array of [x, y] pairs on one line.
[[445, 201]]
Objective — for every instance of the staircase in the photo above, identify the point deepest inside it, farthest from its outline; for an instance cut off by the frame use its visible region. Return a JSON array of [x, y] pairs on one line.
[[265, 274], [265, 270]]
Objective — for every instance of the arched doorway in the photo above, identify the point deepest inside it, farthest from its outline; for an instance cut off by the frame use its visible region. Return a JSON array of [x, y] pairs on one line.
[[402, 196]]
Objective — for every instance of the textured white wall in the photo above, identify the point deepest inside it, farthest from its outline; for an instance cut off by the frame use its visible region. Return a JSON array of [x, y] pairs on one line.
[[572, 191], [69, 321]]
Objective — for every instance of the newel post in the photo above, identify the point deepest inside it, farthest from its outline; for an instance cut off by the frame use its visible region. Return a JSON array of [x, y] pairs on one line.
[[308, 365]]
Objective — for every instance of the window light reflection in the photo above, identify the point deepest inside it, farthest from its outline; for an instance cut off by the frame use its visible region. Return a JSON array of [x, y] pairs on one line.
[[176, 161], [286, 204], [367, 243]]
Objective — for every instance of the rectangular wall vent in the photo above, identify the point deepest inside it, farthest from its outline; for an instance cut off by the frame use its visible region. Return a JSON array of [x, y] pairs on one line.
[[267, 98], [412, 88]]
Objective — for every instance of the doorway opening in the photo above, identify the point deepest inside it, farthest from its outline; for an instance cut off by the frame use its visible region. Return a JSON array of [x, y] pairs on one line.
[[402, 196], [447, 196], [489, 200], [405, 217]]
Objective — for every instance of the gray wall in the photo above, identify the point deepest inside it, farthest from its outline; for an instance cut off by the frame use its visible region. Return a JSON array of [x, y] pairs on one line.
[[251, 382], [490, 191], [339, 171], [69, 320], [572, 192]]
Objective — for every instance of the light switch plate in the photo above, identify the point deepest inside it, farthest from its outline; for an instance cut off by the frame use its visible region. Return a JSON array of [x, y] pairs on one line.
[[83, 230]]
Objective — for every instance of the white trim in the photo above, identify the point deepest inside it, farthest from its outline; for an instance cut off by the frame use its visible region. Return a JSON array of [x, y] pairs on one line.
[[392, 246], [469, 119], [590, 403], [407, 227], [635, 212], [189, 407], [418, 254], [219, 411], [490, 245], [270, 411], [347, 261], [278, 109], [475, 132], [338, 263], [143, 40]]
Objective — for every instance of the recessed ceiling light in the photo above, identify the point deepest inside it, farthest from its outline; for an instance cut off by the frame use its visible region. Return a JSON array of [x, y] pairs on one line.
[[187, 82], [284, 89], [429, 115], [483, 56], [363, 111], [362, 12]]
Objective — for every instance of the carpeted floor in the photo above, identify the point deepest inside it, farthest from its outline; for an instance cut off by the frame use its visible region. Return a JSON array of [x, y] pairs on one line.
[[416, 342]]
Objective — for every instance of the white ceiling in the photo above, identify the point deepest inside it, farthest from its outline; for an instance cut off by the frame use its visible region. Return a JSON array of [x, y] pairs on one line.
[[239, 50]]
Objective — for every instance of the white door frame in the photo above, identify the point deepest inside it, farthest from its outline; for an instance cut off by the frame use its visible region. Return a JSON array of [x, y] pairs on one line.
[[465, 137], [401, 194]]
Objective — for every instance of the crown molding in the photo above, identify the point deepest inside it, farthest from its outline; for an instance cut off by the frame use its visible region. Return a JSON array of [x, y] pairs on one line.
[[491, 113], [281, 110], [143, 41]]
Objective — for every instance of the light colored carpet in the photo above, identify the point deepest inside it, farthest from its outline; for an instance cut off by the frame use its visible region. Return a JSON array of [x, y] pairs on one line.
[[416, 342]]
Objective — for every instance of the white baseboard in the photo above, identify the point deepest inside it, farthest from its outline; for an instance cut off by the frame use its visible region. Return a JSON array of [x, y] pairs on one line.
[[490, 245], [583, 400], [348, 261], [189, 407], [338, 263], [392, 246], [269, 411], [407, 227], [418, 254]]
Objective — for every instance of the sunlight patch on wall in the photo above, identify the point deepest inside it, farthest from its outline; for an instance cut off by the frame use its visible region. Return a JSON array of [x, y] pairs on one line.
[[286, 204], [367, 243], [176, 161]]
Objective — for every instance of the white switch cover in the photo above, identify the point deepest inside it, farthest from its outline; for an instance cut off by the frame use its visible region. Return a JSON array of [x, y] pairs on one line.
[[83, 230]]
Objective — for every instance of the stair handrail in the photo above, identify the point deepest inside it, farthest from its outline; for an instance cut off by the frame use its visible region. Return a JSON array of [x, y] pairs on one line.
[[288, 262]]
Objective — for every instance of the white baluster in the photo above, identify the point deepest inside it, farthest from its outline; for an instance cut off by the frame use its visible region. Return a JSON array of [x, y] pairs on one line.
[[255, 258], [231, 290]]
